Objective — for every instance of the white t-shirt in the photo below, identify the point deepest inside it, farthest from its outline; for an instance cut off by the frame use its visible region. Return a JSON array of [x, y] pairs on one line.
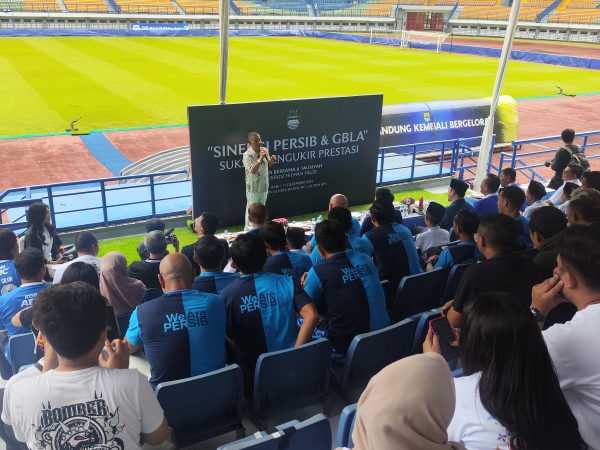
[[565, 207], [432, 237], [575, 352], [556, 198], [534, 207], [47, 247], [109, 408], [472, 426], [88, 259]]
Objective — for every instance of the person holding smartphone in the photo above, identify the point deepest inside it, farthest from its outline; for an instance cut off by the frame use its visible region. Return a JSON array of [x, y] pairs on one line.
[[509, 396]]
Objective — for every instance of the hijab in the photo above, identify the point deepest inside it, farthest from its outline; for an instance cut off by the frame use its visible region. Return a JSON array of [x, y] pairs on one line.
[[122, 292], [407, 406]]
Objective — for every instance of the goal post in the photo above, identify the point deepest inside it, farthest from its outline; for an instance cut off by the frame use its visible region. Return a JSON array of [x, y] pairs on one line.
[[384, 36], [423, 37]]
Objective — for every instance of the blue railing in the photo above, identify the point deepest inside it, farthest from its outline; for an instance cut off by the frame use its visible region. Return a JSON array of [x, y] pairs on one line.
[[548, 10], [93, 195], [528, 169]]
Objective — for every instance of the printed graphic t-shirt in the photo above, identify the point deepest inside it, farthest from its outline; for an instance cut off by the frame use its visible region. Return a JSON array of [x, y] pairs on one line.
[[292, 264], [9, 278], [97, 407]]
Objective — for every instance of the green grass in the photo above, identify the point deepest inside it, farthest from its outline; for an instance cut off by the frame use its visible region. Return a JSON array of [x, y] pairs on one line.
[[128, 245], [45, 82]]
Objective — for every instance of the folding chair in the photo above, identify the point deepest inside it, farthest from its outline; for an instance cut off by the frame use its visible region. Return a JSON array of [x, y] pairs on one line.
[[456, 274], [368, 354], [202, 407], [290, 379], [346, 426], [22, 348], [418, 293], [312, 434]]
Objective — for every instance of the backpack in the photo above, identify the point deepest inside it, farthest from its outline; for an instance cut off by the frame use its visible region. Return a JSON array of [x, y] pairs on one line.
[[578, 158]]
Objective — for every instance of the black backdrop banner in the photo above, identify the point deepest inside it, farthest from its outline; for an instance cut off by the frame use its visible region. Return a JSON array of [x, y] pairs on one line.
[[323, 146]]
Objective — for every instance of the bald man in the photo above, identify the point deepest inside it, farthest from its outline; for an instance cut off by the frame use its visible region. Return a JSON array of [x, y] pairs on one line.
[[183, 331], [339, 200]]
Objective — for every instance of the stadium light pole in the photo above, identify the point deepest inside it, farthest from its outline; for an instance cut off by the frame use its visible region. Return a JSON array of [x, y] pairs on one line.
[[224, 54], [488, 131]]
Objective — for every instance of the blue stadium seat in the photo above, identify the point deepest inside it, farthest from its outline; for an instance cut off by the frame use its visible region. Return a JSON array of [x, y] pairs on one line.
[[22, 347], [418, 293], [346, 426], [290, 379], [457, 373], [260, 434], [123, 322], [456, 274], [202, 407], [421, 329], [153, 293], [313, 434], [368, 354]]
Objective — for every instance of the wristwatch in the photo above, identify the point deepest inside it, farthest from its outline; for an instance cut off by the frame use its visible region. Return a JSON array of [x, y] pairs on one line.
[[539, 317]]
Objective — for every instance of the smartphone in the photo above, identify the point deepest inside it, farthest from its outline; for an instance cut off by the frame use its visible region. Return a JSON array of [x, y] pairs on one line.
[[113, 325], [442, 327]]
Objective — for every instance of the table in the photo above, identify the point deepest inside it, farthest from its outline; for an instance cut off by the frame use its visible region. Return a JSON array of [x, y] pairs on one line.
[[549, 193]]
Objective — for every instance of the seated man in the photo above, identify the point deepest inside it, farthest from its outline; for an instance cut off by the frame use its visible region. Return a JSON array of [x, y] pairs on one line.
[[347, 286], [353, 243], [147, 271], [534, 195], [151, 225], [433, 236], [9, 249], [31, 269], [489, 203], [573, 346], [584, 207], [571, 174], [282, 261], [591, 180], [257, 215], [568, 190], [209, 254], [182, 332], [206, 224], [87, 248], [84, 405], [502, 270], [456, 197], [547, 228], [296, 240], [394, 251], [262, 307], [465, 226], [508, 177], [510, 201], [339, 200], [380, 194]]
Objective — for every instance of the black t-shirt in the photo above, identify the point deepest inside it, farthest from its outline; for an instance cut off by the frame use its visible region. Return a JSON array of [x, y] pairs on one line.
[[145, 271], [188, 251], [506, 272]]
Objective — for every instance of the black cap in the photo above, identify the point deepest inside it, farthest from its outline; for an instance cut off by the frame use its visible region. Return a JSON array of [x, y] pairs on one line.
[[436, 212], [459, 186]]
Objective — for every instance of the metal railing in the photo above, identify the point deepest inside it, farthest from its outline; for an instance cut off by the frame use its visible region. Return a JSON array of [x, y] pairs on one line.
[[52, 194], [528, 169]]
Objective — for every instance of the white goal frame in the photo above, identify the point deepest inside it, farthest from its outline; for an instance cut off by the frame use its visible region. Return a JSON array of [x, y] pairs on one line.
[[384, 36], [423, 37]]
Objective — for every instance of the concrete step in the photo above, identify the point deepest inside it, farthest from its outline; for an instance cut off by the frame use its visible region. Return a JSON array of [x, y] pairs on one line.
[[166, 161]]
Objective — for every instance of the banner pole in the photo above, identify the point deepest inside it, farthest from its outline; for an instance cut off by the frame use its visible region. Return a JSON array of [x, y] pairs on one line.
[[486, 139], [224, 50]]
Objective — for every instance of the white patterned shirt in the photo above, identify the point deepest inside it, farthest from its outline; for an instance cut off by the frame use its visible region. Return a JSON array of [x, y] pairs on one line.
[[256, 182]]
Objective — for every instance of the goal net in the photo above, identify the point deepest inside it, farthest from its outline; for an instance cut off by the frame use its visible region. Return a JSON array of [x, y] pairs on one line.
[[423, 37], [384, 36]]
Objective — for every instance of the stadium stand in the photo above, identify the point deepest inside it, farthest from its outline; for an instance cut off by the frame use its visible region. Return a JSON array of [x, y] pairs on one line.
[[498, 13], [86, 6], [199, 6], [39, 5], [576, 11], [146, 6]]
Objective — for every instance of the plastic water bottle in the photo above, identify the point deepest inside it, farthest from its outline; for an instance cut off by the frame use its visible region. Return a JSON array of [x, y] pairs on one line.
[[294, 223], [226, 233], [312, 224]]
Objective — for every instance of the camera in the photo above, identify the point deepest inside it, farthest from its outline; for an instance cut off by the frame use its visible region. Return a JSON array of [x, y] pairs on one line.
[[69, 252], [169, 236]]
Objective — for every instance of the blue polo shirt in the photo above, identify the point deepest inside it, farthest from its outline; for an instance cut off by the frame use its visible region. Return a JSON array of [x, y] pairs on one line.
[[394, 252], [524, 238], [214, 282], [486, 206], [355, 231], [261, 317], [183, 334], [463, 253], [348, 285], [14, 301], [9, 278], [353, 243], [293, 264], [451, 210]]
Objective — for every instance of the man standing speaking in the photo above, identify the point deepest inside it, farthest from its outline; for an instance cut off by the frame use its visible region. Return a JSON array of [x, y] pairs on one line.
[[256, 165]]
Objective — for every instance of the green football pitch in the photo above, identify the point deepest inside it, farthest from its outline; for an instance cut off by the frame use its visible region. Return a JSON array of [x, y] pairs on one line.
[[129, 82]]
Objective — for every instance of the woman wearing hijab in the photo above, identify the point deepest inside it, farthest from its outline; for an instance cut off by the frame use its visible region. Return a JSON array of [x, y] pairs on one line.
[[122, 292], [407, 406]]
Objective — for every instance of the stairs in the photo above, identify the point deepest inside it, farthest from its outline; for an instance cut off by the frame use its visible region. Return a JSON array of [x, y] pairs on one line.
[[166, 161], [62, 5], [181, 11]]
